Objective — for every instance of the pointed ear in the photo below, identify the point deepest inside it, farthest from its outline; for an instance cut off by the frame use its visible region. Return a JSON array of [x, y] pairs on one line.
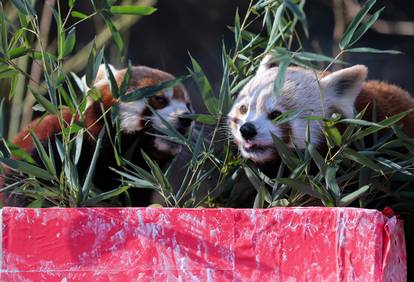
[[269, 61], [345, 83], [101, 73]]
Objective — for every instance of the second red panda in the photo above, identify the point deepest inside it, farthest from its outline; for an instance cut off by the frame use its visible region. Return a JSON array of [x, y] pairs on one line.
[[136, 125]]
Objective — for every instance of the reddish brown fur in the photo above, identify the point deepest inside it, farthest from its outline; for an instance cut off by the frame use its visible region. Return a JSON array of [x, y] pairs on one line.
[[44, 128], [388, 100]]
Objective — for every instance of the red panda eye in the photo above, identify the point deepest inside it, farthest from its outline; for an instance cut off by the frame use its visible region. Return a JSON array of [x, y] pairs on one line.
[[159, 102], [274, 114], [243, 109], [160, 99]]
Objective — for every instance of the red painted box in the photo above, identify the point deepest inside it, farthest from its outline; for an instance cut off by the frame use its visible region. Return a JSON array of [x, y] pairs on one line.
[[150, 244]]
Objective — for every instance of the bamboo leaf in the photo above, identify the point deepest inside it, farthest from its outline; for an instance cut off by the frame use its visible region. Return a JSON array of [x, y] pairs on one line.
[[27, 168], [42, 154], [91, 170], [46, 104], [105, 196], [77, 14], [133, 10], [116, 36], [300, 186], [364, 28], [112, 80], [69, 42], [348, 199], [284, 62], [148, 91], [285, 153], [372, 50], [359, 158], [384, 123], [203, 118], [349, 32], [204, 87]]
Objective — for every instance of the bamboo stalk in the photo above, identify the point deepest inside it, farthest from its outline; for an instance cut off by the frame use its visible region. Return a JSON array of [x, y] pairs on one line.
[[78, 62], [36, 69]]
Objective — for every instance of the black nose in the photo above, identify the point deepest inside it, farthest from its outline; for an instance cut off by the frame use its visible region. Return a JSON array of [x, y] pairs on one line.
[[248, 131], [184, 121]]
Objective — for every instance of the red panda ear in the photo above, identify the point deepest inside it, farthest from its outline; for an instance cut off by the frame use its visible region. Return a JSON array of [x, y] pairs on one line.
[[269, 61], [101, 73], [346, 82]]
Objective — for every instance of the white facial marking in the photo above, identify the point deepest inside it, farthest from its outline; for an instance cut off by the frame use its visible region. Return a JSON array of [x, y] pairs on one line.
[[131, 115]]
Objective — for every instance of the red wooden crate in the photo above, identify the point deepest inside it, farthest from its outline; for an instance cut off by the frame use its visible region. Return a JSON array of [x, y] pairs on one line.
[[149, 244]]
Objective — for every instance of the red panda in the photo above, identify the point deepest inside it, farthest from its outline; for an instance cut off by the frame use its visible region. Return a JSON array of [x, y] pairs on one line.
[[136, 125], [250, 118]]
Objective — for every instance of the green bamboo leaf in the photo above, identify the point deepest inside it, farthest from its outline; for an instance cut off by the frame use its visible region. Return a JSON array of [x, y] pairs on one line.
[[225, 101], [93, 201], [116, 36], [71, 3], [384, 123], [60, 33], [284, 62], [300, 186], [348, 199], [372, 50], [359, 158], [91, 170], [317, 158], [112, 80], [148, 91], [77, 14], [204, 87], [24, 167], [197, 147], [157, 173], [313, 57], [38, 203], [274, 32], [125, 82], [203, 118], [133, 10], [360, 122], [42, 154], [236, 29], [94, 61], [364, 28], [287, 116], [349, 32], [136, 181], [4, 28], [46, 104], [297, 11], [78, 147], [69, 43], [285, 153], [332, 133], [330, 180], [18, 52]]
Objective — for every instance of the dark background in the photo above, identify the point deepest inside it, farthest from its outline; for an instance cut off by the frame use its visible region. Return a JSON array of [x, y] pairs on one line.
[[179, 27]]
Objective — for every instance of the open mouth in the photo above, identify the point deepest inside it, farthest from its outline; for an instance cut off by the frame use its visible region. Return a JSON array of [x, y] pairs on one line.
[[251, 147]]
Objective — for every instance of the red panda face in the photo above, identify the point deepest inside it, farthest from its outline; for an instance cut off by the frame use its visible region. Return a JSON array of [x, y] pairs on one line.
[[251, 117], [171, 104]]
